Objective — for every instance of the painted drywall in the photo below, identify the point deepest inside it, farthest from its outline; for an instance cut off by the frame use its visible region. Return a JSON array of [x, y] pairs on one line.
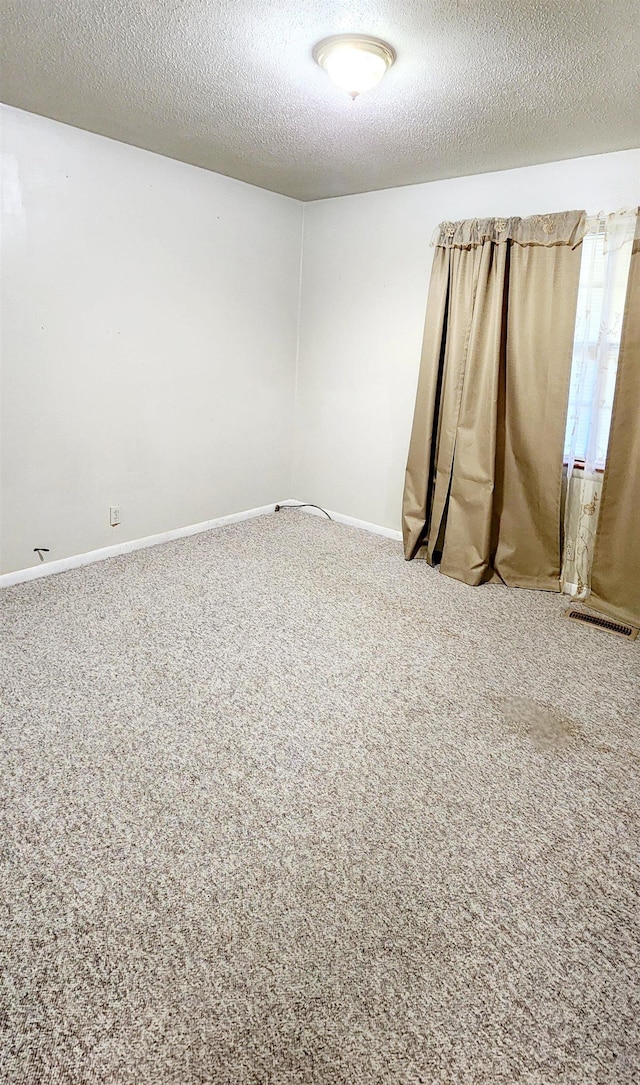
[[151, 314], [149, 330], [366, 266]]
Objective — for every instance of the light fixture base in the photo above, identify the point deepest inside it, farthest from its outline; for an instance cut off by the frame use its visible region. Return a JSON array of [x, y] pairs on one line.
[[324, 53], [358, 41]]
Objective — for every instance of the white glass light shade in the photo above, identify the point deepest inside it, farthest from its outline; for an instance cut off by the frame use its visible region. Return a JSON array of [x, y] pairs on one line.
[[354, 63]]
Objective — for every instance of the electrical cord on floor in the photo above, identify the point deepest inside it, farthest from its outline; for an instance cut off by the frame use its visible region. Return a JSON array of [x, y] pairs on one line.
[[304, 505]]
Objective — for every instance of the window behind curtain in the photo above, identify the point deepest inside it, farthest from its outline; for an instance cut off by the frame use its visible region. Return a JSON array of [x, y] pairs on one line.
[[604, 270]]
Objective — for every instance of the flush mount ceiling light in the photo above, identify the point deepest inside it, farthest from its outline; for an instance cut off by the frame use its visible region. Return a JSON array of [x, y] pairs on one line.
[[354, 62]]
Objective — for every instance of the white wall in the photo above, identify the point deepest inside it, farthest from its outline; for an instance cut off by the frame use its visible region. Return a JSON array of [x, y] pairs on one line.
[[148, 341], [150, 319], [366, 266]]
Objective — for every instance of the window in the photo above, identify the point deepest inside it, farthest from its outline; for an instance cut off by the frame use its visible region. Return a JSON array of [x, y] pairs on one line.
[[604, 270]]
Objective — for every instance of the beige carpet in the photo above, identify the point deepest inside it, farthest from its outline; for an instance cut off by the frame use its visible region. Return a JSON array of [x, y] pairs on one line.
[[282, 809]]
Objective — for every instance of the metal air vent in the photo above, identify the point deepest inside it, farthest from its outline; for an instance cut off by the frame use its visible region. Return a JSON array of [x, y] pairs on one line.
[[619, 628]]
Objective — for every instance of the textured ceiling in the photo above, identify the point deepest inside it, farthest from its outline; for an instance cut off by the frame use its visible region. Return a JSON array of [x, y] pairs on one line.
[[231, 85]]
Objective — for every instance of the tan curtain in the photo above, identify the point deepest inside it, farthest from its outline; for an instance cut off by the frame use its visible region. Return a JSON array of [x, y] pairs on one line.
[[615, 576], [484, 473]]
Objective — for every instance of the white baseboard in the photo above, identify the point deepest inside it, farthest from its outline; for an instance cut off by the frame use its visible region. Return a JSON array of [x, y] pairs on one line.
[[350, 521], [77, 560]]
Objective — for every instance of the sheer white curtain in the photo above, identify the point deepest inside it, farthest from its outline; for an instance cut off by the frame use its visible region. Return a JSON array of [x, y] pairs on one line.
[[604, 272]]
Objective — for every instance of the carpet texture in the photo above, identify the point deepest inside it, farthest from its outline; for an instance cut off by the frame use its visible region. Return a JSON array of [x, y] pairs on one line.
[[282, 809]]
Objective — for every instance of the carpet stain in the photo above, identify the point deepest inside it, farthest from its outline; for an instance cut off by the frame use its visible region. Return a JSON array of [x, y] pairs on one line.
[[543, 725]]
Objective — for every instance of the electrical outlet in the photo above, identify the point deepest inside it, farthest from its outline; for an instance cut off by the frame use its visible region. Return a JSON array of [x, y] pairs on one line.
[[114, 515]]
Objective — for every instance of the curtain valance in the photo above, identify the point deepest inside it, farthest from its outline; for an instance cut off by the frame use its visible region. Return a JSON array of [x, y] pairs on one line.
[[617, 228], [564, 228]]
